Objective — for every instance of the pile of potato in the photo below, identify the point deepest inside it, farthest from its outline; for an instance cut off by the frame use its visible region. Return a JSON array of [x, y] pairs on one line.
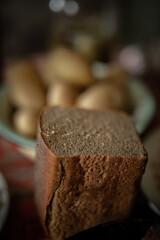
[[64, 78]]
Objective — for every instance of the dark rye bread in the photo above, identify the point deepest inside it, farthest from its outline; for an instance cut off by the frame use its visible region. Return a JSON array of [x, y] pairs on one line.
[[88, 168]]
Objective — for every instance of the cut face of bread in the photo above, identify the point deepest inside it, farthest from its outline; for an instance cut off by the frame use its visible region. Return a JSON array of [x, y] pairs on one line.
[[88, 168], [70, 132]]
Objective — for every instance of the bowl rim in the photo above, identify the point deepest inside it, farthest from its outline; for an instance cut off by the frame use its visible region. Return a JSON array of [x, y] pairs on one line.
[[144, 101], [7, 131]]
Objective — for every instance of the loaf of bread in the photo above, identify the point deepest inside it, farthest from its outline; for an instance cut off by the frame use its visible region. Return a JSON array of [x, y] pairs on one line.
[[88, 168]]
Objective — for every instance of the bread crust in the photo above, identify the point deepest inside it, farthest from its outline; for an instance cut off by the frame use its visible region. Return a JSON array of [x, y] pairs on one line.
[[47, 177]]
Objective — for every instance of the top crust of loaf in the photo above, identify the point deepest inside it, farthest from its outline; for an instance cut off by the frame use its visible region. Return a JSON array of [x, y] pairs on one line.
[[72, 132]]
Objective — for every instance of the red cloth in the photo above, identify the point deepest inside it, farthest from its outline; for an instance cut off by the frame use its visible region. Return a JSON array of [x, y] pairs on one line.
[[22, 221]]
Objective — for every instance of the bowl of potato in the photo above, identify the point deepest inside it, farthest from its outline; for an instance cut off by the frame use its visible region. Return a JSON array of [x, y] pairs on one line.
[[65, 77]]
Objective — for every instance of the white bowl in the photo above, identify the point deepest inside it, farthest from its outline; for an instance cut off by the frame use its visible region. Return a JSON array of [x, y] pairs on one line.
[[144, 110]]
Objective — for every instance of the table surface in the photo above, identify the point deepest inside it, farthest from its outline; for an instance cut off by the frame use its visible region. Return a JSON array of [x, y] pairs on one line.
[[22, 221]]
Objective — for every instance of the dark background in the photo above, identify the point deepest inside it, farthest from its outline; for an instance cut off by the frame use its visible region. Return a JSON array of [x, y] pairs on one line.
[[26, 24]]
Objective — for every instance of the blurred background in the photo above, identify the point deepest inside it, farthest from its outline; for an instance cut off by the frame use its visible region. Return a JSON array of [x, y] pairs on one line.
[[29, 26], [56, 51]]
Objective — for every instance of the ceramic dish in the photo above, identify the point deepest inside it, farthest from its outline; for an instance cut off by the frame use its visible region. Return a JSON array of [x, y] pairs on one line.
[[6, 128], [25, 145], [144, 109], [4, 200], [144, 104]]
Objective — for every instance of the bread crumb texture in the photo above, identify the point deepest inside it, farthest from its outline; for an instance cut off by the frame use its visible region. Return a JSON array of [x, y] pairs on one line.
[[69, 131]]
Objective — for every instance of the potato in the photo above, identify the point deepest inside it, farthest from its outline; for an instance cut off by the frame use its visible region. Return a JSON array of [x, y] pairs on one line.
[[25, 122], [25, 87], [62, 94], [65, 64], [86, 44], [104, 96]]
